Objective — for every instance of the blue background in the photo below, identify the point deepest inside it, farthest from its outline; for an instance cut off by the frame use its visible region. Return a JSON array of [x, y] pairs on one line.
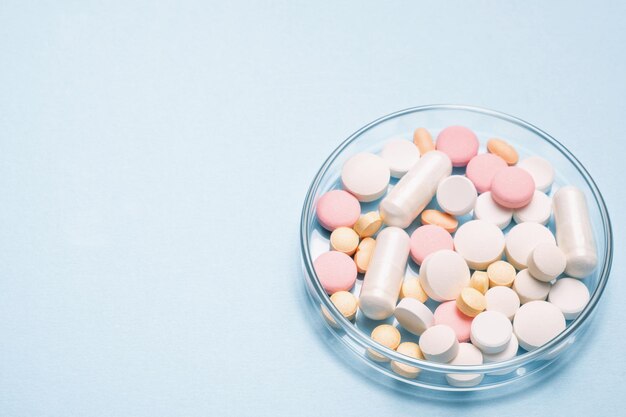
[[154, 157]]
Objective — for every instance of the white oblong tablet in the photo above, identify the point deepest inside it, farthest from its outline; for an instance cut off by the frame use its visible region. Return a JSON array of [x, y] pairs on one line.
[[508, 353], [488, 210], [479, 242], [536, 323], [400, 154], [439, 343], [538, 210], [445, 275], [491, 331], [570, 296], [468, 355], [546, 262], [522, 239], [504, 300], [530, 289], [366, 176], [540, 169], [414, 316], [456, 195]]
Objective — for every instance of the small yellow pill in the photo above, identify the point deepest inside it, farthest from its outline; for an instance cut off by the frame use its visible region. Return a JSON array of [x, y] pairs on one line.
[[364, 253], [501, 273], [386, 335], [471, 302], [412, 288], [423, 140], [480, 281], [412, 350], [344, 239], [346, 303], [503, 149], [441, 219], [368, 224]]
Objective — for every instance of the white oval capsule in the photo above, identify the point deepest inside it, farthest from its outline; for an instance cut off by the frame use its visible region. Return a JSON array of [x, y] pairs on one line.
[[574, 234], [414, 191], [385, 273]]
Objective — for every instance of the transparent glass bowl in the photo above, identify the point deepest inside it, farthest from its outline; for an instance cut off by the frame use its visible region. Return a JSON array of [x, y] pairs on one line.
[[528, 140]]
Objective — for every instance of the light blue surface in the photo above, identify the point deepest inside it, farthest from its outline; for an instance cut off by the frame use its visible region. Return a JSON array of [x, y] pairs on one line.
[[153, 163]]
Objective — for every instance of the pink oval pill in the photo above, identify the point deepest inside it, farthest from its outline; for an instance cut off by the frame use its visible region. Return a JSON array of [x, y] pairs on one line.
[[336, 271], [447, 313], [337, 208], [459, 143], [428, 239], [512, 187], [482, 168]]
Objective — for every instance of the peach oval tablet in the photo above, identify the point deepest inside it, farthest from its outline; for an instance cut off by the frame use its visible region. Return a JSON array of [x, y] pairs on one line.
[[482, 168], [441, 219], [428, 239], [503, 149], [459, 143], [344, 239], [368, 224], [512, 187], [336, 271], [411, 288], [423, 140], [364, 253], [448, 314], [337, 208]]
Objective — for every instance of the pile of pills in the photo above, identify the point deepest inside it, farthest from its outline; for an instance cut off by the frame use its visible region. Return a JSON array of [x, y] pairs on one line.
[[494, 280]]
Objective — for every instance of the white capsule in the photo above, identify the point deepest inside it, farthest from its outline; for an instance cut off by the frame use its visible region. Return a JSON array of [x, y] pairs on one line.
[[414, 191], [574, 234], [385, 273]]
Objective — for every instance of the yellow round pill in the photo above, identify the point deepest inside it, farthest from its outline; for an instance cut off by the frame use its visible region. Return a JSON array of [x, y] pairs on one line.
[[386, 335], [344, 239], [412, 350], [368, 224], [501, 273], [412, 288], [480, 281], [471, 302], [364, 253], [346, 303]]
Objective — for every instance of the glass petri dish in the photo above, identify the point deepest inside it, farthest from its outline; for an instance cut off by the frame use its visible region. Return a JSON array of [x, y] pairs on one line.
[[353, 340]]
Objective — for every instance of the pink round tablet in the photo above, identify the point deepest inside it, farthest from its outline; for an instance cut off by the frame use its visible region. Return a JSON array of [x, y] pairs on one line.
[[336, 271], [448, 314], [337, 208], [428, 239], [482, 168], [512, 187], [459, 143]]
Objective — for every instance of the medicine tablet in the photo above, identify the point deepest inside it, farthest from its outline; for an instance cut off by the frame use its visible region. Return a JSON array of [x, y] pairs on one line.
[[456, 195], [479, 242], [512, 187], [522, 239], [538, 210], [459, 143], [468, 355], [444, 275], [429, 239], [529, 288], [412, 288], [480, 281], [541, 170], [503, 300], [509, 352], [491, 331], [546, 262], [503, 149], [345, 240], [570, 296], [336, 271], [471, 302], [366, 176], [500, 273], [423, 140], [441, 219], [346, 303], [448, 314], [412, 350], [439, 344], [337, 208], [414, 316], [488, 210], [386, 335], [482, 168], [400, 155], [368, 224], [364, 253], [536, 323]]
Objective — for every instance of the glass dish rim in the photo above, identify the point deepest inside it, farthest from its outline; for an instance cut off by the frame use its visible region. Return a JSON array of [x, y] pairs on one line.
[[364, 340]]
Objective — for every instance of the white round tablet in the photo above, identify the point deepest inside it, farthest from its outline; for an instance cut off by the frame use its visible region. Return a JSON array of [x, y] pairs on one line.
[[366, 176], [536, 323], [546, 262], [540, 169], [508, 353], [439, 343], [400, 154], [530, 289], [414, 316], [522, 239], [570, 296], [468, 355], [456, 195], [445, 275], [504, 300], [488, 210], [491, 331], [538, 210], [479, 242]]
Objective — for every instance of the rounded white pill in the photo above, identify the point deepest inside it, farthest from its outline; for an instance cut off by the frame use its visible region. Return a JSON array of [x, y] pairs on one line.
[[570, 296], [488, 210], [536, 323], [538, 210], [401, 155], [546, 262], [530, 289], [479, 242], [491, 331], [468, 355], [439, 343], [522, 239], [414, 316], [444, 275], [540, 169], [508, 353], [456, 195], [504, 300], [366, 176]]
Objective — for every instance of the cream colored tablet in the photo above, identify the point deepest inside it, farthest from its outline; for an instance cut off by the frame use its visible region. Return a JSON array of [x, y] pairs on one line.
[[500, 273], [538, 210], [364, 253], [366, 176], [491, 331], [530, 289], [444, 275], [386, 335], [540, 169], [401, 155], [344, 239], [503, 300], [480, 281], [546, 262], [570, 296], [368, 224], [412, 288], [479, 242], [488, 210], [346, 303], [412, 350], [456, 195], [471, 302], [439, 344], [414, 316], [468, 355], [536, 323], [522, 239]]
